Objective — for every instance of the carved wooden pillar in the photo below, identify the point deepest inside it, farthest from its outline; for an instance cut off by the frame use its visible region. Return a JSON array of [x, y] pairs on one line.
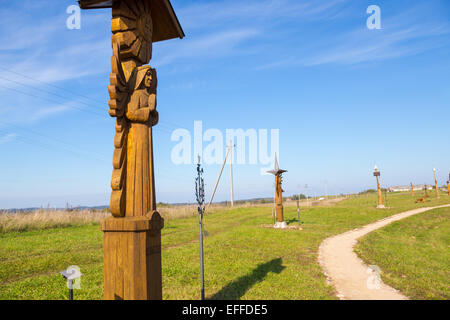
[[377, 174], [436, 184], [132, 237], [380, 196], [279, 198], [277, 172]]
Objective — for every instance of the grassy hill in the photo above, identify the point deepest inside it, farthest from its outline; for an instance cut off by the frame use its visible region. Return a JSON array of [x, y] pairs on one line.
[[243, 258]]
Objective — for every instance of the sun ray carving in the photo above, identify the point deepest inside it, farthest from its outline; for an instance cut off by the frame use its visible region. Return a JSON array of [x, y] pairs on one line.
[[132, 27]]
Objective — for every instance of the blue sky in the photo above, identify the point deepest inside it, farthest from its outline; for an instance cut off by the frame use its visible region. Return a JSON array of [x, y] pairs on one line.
[[343, 97]]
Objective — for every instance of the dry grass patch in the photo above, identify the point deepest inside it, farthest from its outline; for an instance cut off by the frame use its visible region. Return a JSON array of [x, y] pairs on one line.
[[40, 219]]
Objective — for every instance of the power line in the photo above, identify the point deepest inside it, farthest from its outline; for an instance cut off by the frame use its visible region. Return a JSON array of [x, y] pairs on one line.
[[168, 124], [48, 84], [51, 100], [52, 138], [47, 146]]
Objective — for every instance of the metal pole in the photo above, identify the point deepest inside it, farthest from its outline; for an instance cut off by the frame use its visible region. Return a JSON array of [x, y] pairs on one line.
[[200, 195], [202, 272], [218, 178], [70, 289]]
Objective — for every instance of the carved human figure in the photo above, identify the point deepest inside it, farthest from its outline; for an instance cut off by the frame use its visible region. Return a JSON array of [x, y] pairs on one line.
[[133, 102], [142, 115]]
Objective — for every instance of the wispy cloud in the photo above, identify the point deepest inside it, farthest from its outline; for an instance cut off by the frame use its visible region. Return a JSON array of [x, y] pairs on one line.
[[33, 111], [231, 12], [366, 46], [403, 34], [7, 138], [49, 111], [225, 28], [209, 46], [43, 48]]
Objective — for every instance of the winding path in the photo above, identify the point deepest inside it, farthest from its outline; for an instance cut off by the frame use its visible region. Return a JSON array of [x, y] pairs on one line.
[[347, 273]]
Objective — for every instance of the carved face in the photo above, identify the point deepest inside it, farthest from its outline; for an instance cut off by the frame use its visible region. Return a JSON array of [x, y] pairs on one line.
[[148, 79]]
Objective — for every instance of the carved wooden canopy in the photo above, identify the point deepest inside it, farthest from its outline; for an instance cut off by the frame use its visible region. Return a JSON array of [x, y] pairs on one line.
[[165, 22]]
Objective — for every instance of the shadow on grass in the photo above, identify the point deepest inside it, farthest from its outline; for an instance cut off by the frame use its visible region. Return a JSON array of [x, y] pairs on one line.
[[293, 221], [237, 288]]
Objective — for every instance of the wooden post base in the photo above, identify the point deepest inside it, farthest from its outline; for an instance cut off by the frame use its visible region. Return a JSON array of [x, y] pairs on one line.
[[132, 258], [280, 212]]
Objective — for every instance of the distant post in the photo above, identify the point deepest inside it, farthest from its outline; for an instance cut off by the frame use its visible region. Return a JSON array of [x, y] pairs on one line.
[[412, 189], [377, 174], [448, 185], [132, 237], [436, 183], [277, 172]]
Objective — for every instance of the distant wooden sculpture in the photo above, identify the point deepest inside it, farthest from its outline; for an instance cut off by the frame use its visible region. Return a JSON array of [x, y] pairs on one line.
[[277, 172], [132, 237], [436, 184], [377, 174], [448, 186]]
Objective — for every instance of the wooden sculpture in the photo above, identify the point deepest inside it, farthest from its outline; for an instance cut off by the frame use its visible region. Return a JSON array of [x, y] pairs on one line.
[[132, 237], [277, 172], [377, 174], [436, 184]]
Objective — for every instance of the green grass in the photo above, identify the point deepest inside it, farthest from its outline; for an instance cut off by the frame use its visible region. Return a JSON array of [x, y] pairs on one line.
[[243, 259], [414, 254]]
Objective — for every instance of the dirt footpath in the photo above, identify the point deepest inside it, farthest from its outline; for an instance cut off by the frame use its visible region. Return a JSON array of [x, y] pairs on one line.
[[352, 279]]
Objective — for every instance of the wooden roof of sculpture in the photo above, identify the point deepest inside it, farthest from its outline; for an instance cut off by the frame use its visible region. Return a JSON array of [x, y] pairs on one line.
[[165, 22]]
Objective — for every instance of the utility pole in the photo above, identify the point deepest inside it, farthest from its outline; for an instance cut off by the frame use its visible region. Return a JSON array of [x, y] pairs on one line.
[[218, 178], [231, 173], [307, 199], [298, 205], [229, 153]]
